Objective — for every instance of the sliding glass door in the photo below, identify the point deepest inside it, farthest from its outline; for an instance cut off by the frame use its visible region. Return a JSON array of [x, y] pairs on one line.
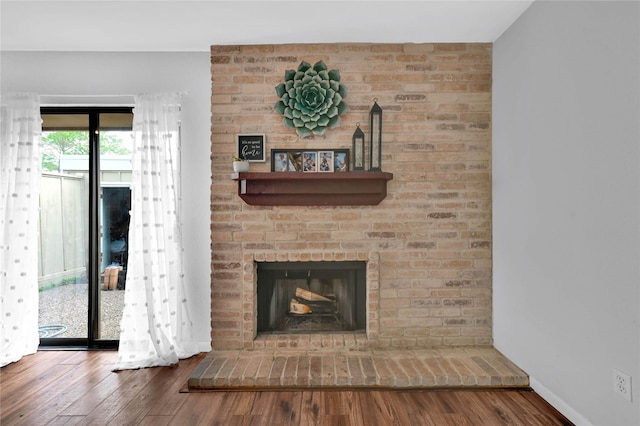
[[84, 222]]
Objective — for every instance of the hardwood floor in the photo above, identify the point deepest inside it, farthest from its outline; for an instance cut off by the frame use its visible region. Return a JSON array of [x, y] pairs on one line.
[[78, 387]]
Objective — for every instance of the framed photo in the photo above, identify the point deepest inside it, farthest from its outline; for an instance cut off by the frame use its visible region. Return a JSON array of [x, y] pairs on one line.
[[310, 161], [341, 160], [251, 147], [325, 161], [286, 160], [279, 161], [295, 161]]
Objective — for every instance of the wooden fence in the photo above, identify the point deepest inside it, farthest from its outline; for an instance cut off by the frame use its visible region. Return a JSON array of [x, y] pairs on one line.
[[63, 229]]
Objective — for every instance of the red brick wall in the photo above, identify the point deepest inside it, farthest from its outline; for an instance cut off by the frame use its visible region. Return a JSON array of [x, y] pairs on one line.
[[432, 234]]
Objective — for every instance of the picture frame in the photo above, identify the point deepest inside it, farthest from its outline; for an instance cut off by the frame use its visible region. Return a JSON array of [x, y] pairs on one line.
[[251, 147], [310, 160], [341, 160], [279, 160], [325, 161], [286, 160]]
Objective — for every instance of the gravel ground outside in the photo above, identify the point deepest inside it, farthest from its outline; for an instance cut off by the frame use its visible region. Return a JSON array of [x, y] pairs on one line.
[[67, 305]]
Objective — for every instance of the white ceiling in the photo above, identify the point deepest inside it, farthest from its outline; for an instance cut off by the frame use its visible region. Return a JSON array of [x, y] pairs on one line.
[[184, 25]]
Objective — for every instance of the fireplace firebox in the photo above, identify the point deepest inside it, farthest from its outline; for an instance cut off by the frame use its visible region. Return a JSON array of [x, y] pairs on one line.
[[311, 297]]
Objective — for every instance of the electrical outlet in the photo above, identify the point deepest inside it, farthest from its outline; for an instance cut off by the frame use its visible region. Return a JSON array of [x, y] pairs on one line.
[[622, 384]]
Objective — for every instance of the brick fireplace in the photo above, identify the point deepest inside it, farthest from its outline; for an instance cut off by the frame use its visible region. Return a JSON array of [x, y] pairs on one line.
[[426, 246], [311, 297], [250, 301]]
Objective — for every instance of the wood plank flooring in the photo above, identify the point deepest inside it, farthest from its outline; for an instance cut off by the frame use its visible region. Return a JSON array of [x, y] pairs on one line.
[[78, 387]]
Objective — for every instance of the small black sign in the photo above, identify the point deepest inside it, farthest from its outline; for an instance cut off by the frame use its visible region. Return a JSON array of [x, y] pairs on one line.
[[251, 147]]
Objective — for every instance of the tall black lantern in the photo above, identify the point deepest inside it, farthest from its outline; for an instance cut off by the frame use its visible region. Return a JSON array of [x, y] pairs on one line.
[[358, 148], [375, 147]]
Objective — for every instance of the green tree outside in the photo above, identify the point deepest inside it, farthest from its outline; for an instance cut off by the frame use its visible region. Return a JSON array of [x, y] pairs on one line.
[[59, 143]]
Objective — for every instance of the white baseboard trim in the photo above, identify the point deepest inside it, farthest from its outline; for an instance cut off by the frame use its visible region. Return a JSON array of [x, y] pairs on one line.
[[558, 403]]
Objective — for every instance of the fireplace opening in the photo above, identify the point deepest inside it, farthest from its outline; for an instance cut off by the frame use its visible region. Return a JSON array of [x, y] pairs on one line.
[[311, 297]]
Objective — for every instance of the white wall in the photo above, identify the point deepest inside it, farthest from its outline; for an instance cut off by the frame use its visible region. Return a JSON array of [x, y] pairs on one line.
[[566, 203], [106, 74]]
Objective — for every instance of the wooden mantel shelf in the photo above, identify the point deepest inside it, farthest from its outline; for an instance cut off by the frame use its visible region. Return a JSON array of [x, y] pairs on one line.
[[312, 189]]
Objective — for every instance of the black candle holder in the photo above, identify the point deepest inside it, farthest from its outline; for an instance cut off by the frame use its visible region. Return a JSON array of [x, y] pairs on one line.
[[375, 141]]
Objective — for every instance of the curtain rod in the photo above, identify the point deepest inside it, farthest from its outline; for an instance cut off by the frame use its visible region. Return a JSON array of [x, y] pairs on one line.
[[87, 100], [84, 95], [93, 100]]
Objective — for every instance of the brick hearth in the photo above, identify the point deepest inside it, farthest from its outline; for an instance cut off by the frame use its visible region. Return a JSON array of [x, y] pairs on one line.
[[290, 368]]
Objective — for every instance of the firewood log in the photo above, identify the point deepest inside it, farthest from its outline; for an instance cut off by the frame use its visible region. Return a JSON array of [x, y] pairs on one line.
[[310, 296], [296, 307]]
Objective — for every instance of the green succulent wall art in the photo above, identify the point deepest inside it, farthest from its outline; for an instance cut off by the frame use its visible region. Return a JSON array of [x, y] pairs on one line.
[[311, 99]]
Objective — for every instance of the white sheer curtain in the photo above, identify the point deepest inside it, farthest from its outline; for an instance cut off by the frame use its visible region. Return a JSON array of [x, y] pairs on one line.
[[20, 146], [156, 327]]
